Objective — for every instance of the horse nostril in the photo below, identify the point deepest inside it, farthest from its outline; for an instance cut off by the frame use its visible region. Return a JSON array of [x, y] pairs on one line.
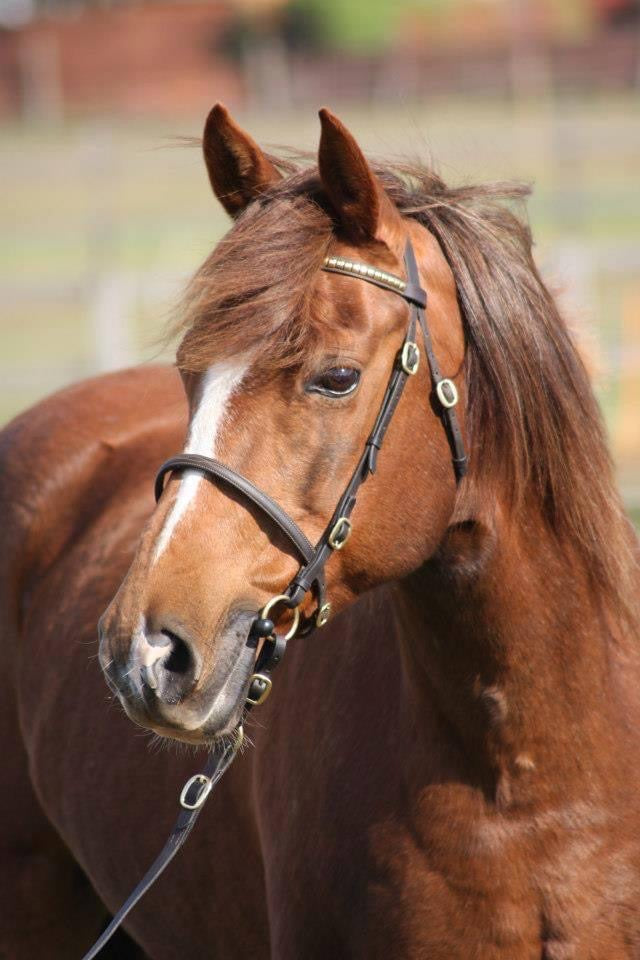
[[179, 659], [170, 665]]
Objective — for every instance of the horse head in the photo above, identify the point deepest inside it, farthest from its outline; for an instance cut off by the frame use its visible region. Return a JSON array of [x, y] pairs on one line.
[[284, 365]]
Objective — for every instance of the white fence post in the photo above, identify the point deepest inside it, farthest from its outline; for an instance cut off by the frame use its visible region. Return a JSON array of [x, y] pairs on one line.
[[112, 310]]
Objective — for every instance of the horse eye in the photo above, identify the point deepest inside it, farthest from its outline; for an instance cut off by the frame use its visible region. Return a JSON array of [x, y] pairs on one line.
[[336, 382]]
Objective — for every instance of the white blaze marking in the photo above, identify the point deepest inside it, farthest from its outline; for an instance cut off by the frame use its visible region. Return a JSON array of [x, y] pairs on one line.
[[218, 384]]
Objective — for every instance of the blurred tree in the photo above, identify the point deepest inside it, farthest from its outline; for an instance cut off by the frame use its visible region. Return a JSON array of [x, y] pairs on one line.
[[359, 26]]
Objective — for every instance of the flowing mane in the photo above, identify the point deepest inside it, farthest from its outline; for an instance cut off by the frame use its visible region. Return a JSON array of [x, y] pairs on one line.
[[535, 429]]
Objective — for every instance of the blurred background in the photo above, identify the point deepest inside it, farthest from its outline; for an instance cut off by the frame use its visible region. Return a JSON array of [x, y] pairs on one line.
[[105, 213]]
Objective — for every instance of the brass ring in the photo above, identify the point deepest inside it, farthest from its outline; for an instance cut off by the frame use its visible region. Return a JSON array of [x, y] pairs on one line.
[[282, 598], [205, 785], [447, 401], [265, 693], [340, 533], [410, 357]]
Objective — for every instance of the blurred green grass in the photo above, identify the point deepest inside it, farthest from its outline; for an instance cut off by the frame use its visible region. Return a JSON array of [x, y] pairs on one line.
[[87, 202]]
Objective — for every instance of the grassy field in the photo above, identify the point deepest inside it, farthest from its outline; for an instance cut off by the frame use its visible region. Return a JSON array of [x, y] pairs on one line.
[[103, 221]]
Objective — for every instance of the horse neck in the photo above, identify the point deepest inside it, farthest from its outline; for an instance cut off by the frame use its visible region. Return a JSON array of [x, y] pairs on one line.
[[504, 639]]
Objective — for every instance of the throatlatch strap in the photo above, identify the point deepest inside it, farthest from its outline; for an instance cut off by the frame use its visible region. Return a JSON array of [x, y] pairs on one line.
[[447, 414]]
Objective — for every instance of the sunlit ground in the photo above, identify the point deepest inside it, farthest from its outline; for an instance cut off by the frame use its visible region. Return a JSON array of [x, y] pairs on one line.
[[105, 220]]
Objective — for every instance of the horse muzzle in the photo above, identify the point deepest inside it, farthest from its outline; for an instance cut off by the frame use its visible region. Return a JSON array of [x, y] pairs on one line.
[[162, 684]]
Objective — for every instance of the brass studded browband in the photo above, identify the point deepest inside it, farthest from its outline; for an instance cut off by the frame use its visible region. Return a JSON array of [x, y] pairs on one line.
[[353, 269]]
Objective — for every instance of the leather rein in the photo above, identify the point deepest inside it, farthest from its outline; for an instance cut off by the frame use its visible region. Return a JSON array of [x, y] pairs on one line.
[[311, 574]]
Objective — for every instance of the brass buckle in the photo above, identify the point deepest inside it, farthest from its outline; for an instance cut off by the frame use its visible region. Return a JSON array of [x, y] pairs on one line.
[[340, 533], [265, 693], [410, 357], [323, 614], [447, 401], [205, 783], [282, 598]]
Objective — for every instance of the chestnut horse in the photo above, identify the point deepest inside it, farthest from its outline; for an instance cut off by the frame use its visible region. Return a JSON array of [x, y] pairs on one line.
[[449, 768]]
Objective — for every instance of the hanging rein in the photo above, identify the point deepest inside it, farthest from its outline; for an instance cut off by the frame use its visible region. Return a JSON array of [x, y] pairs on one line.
[[311, 574]]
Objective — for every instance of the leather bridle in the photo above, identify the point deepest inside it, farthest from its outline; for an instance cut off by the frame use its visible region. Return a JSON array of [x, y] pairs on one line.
[[311, 574]]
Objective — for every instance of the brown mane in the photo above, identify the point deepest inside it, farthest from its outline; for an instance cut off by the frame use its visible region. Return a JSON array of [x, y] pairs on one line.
[[534, 425]]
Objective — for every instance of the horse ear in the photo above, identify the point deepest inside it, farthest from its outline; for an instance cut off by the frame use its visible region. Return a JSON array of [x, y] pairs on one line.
[[238, 169], [357, 198]]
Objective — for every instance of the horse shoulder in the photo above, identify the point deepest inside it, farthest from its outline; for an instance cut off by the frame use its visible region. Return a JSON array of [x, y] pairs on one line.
[[63, 460]]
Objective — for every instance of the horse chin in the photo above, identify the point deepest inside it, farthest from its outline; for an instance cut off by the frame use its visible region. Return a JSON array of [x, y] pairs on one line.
[[221, 720], [198, 728]]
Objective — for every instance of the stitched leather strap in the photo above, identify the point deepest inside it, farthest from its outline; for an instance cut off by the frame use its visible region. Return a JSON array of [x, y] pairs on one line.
[[219, 471], [447, 414], [215, 767], [366, 465]]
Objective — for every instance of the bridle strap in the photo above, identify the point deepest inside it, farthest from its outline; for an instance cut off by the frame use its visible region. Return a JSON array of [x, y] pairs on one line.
[[311, 574], [448, 414], [219, 471], [193, 793], [365, 466]]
